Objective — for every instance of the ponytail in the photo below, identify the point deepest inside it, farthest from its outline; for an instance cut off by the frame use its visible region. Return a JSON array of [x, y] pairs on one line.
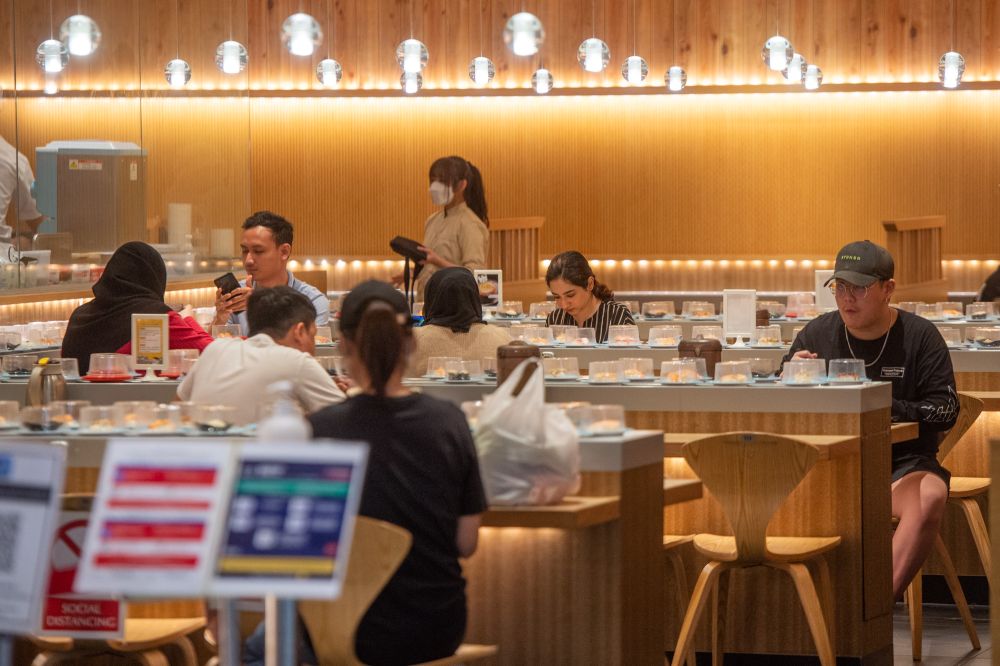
[[452, 169], [382, 343], [603, 291], [475, 194]]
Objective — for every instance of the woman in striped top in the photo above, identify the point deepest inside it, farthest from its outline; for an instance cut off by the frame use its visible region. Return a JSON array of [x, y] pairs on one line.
[[581, 300]]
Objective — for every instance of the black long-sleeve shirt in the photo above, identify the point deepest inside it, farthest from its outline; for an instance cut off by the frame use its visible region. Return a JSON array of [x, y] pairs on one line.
[[916, 361]]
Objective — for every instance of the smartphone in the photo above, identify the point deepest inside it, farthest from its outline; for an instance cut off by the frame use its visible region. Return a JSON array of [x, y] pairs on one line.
[[227, 283]]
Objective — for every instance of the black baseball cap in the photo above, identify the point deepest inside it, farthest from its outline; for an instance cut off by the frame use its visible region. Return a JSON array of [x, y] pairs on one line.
[[861, 263], [355, 303]]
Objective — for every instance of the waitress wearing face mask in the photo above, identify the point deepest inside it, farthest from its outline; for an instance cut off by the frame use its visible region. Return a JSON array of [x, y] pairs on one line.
[[456, 235]]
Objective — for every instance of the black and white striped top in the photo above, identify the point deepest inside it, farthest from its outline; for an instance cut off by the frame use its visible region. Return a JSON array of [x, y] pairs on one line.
[[609, 313]]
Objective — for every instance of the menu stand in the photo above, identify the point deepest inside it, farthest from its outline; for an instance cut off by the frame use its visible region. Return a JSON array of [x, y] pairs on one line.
[[228, 639], [280, 631], [6, 650]]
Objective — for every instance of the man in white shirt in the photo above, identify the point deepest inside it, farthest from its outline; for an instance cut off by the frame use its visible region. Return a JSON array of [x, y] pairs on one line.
[[15, 180], [236, 372], [266, 246]]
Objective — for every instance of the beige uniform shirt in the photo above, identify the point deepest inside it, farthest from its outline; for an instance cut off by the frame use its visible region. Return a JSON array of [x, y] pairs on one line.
[[458, 236]]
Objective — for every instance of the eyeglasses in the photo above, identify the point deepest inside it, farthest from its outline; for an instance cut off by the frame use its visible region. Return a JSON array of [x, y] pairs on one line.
[[842, 289]]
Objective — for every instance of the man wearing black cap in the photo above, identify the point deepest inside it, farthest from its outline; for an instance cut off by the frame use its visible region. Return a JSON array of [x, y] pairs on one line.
[[909, 352]]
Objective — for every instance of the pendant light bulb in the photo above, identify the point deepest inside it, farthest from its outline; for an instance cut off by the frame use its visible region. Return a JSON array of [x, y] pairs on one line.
[[231, 57], [524, 34], [777, 53], [329, 72], [412, 56], [481, 70], [796, 70], [52, 56], [634, 69], [593, 55], [542, 81], [301, 34], [813, 77], [411, 82], [177, 72], [676, 79], [80, 34], [951, 67]]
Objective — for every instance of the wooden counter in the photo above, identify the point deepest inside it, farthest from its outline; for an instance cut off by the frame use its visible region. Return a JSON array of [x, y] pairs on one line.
[[584, 596], [847, 495], [570, 514]]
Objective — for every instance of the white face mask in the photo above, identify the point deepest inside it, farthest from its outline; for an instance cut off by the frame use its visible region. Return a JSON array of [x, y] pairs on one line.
[[441, 194]]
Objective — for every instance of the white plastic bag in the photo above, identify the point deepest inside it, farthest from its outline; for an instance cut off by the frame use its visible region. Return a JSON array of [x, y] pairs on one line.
[[529, 452]]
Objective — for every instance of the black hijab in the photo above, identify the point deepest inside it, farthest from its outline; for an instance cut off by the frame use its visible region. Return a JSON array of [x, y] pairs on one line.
[[134, 281], [452, 299]]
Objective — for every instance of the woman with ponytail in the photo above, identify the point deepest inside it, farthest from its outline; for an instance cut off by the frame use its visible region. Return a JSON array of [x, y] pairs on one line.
[[582, 300], [423, 475], [456, 235]]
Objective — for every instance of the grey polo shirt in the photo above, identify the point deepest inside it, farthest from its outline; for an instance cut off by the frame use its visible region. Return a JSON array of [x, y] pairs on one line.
[[318, 298]]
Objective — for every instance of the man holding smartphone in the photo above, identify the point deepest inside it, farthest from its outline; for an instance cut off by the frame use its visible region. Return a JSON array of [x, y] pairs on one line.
[[266, 246]]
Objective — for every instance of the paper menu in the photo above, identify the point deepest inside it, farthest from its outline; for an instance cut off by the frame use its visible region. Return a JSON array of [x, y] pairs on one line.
[[31, 478], [156, 517]]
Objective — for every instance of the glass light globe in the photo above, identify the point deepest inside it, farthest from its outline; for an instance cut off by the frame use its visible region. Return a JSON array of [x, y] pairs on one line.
[[524, 34], [411, 82], [594, 55], [542, 81], [231, 57], [411, 54], [52, 56], [813, 77], [481, 70], [178, 73], [635, 69], [676, 79], [951, 66], [777, 53], [329, 71], [80, 34], [796, 69], [301, 34]]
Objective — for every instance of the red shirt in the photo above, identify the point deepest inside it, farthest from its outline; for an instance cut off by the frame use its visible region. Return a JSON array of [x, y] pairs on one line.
[[185, 333]]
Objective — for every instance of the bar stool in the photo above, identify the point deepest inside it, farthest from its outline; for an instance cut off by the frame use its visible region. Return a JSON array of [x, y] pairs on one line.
[[751, 475], [378, 550], [144, 639], [963, 492]]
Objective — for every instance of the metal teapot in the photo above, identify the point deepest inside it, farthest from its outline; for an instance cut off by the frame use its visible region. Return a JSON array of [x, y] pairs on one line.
[[46, 383]]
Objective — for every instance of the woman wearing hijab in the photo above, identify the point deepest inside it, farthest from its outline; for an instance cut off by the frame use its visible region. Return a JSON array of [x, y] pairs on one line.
[[453, 322], [133, 282]]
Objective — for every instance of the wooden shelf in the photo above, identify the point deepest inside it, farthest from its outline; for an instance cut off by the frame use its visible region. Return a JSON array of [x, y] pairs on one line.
[[64, 292], [569, 514], [676, 491]]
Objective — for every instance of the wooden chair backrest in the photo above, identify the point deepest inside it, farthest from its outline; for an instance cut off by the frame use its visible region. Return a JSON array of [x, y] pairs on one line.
[[377, 550], [969, 409], [750, 474]]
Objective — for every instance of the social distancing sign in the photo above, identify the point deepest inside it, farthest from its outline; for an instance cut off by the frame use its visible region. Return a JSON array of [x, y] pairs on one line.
[[75, 615]]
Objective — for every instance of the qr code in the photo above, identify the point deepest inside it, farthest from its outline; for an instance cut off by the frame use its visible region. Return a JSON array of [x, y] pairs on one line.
[[9, 526]]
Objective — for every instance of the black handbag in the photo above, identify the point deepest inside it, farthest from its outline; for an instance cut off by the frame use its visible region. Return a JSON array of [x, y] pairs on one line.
[[410, 250]]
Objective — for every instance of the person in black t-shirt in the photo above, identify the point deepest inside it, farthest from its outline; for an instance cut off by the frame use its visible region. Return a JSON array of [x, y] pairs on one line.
[[423, 475], [909, 352]]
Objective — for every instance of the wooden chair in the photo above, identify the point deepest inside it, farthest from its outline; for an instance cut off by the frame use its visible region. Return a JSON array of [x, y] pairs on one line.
[[144, 640], [963, 492], [671, 548], [751, 475], [377, 551]]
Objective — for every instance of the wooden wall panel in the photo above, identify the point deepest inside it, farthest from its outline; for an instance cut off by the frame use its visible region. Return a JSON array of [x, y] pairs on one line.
[[722, 176], [718, 41]]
